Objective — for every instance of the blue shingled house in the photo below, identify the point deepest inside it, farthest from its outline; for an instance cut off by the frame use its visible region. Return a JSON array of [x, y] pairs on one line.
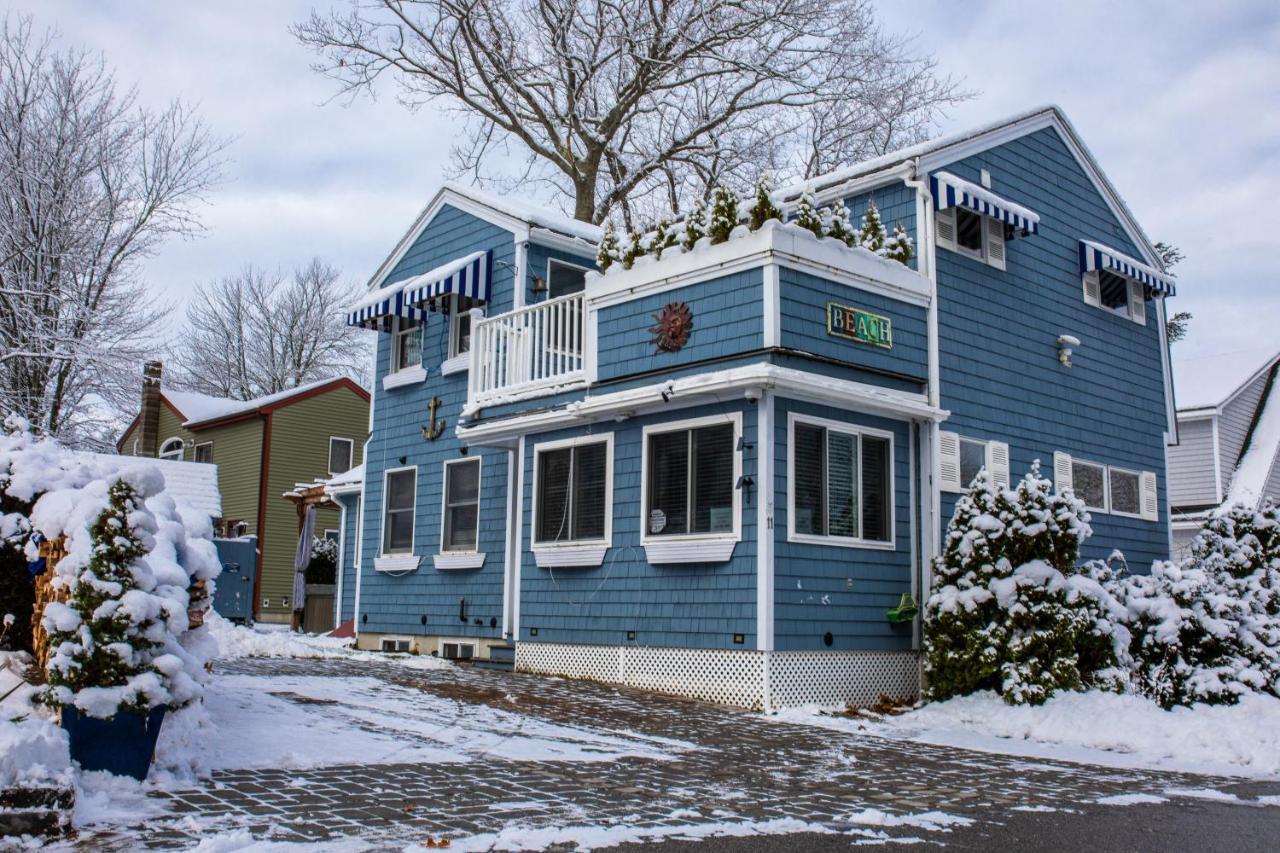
[[717, 473]]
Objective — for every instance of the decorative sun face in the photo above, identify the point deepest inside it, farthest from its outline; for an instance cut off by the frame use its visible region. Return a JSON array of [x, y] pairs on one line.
[[671, 331]]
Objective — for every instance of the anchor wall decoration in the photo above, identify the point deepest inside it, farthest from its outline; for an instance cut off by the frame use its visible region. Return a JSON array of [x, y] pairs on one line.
[[436, 429]]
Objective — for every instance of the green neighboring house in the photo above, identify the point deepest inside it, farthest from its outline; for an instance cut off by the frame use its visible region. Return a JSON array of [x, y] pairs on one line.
[[262, 448]]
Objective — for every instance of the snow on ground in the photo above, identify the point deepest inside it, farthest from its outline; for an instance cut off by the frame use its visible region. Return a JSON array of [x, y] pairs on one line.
[[276, 641], [1093, 728], [33, 749]]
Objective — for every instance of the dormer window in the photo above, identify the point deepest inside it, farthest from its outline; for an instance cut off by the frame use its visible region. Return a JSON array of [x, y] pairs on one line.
[[971, 220]]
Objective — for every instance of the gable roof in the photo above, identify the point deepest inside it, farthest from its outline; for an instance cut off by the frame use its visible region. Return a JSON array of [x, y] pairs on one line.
[[1262, 445], [1206, 383], [523, 219]]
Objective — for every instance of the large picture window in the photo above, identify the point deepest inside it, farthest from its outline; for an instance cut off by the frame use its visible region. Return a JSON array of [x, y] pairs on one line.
[[691, 479], [840, 483], [572, 493], [461, 525], [399, 504]]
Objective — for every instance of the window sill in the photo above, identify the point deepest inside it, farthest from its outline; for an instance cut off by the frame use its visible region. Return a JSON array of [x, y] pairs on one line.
[[396, 563], [690, 551], [840, 542], [568, 556], [458, 560], [458, 364], [401, 378]]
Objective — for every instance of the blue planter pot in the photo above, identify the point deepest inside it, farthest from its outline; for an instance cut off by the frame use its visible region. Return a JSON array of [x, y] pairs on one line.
[[123, 744]]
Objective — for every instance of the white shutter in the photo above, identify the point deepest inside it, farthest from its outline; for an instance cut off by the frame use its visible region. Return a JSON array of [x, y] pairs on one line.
[[995, 242], [949, 462], [944, 228], [998, 463], [1092, 289], [1061, 472], [1138, 302], [1150, 497]]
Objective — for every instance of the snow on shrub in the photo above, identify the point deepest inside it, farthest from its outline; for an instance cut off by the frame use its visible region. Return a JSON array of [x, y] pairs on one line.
[[1209, 630], [1010, 611]]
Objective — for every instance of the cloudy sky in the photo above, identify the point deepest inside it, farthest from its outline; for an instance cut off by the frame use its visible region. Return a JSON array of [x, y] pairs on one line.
[[1179, 102]]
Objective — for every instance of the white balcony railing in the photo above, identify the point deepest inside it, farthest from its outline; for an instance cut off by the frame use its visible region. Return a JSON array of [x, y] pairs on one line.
[[527, 352]]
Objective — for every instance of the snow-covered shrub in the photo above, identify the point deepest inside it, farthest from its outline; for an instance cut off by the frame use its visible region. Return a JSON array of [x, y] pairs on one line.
[[806, 214], [1209, 630], [323, 567], [610, 249], [898, 247], [1010, 611], [633, 250], [724, 214], [663, 238], [763, 209], [872, 235], [695, 224], [838, 224]]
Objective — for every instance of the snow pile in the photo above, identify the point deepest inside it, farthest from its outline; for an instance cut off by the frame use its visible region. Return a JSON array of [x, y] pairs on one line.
[[33, 750], [1096, 727], [236, 641], [1010, 610]]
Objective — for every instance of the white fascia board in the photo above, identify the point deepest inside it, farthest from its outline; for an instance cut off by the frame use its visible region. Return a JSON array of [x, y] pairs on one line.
[[774, 242], [704, 387], [345, 489], [552, 240]]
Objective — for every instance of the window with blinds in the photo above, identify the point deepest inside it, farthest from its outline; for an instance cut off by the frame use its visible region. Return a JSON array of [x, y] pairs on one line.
[[461, 505], [691, 481], [572, 500], [841, 482]]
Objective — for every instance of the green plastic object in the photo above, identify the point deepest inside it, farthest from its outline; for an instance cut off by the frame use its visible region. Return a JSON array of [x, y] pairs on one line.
[[905, 611]]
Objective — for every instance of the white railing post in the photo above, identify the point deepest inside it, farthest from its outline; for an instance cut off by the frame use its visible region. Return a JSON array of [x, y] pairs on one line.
[[533, 348]]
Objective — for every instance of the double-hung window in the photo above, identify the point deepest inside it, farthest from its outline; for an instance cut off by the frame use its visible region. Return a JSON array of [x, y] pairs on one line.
[[841, 483], [961, 458], [460, 529], [406, 345], [691, 479], [1106, 488], [203, 452], [398, 508], [572, 497], [460, 325]]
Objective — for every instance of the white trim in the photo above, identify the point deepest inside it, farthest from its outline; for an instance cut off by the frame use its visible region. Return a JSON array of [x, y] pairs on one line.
[[840, 541], [401, 378], [478, 461], [358, 559], [1219, 489], [457, 364], [570, 555], [521, 275], [473, 642], [519, 539], [454, 331], [452, 560], [351, 453], [382, 520], [564, 546], [182, 449], [550, 261], [196, 447], [765, 535], [342, 558], [1106, 484], [691, 547], [1110, 507], [771, 305], [711, 387], [510, 548], [396, 563], [548, 239]]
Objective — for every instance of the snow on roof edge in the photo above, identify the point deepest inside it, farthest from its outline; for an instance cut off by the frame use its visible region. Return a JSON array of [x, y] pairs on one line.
[[1249, 480], [240, 407], [1206, 383]]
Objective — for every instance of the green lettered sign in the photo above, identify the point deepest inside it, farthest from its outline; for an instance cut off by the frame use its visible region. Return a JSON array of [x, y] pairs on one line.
[[845, 321]]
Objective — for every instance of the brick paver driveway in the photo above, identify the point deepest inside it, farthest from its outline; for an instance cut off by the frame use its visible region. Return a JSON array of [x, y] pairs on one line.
[[744, 768]]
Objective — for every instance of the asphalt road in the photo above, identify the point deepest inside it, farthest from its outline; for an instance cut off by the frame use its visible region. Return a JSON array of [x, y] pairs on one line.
[[1178, 825]]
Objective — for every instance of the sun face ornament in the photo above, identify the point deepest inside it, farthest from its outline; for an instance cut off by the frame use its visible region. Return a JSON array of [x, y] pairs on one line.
[[671, 331]]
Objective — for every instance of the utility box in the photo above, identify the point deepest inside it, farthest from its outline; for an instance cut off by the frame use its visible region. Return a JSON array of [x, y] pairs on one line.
[[233, 592]]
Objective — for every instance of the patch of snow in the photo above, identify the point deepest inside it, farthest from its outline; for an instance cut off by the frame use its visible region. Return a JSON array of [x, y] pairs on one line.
[[931, 821], [193, 485], [1239, 740], [1202, 794], [1207, 381], [1269, 800], [1130, 800], [524, 837], [243, 841], [1250, 478]]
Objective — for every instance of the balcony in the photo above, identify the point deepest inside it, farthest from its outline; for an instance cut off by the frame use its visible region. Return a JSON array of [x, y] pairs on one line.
[[528, 352]]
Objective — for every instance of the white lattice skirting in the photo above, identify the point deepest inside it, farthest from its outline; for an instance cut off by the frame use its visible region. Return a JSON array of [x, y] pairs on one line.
[[741, 677]]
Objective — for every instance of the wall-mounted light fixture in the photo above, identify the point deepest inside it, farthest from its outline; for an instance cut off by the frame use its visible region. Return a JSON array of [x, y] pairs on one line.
[[539, 284], [1066, 344]]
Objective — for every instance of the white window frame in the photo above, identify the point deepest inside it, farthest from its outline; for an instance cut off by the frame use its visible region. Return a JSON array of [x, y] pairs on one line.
[[840, 541], [382, 536], [992, 451], [195, 451], [387, 638], [473, 642], [1106, 484], [1136, 475], [1136, 311], [577, 552], [351, 454], [551, 261], [444, 497], [985, 255], [161, 453], [691, 547], [412, 374], [456, 359]]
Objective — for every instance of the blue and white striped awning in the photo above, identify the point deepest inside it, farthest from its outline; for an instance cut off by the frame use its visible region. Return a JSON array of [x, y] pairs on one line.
[[467, 276], [950, 191], [376, 310], [1095, 256]]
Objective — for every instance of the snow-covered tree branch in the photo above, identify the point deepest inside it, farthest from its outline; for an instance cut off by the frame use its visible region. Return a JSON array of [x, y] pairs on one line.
[[641, 106], [259, 332], [90, 184]]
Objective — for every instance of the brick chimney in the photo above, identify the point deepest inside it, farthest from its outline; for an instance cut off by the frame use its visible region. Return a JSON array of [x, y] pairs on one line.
[[149, 419]]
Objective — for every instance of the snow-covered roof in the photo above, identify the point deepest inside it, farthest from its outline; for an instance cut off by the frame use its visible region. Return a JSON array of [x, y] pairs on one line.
[[350, 480], [192, 484], [200, 408], [534, 214], [1209, 381], [1249, 480]]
